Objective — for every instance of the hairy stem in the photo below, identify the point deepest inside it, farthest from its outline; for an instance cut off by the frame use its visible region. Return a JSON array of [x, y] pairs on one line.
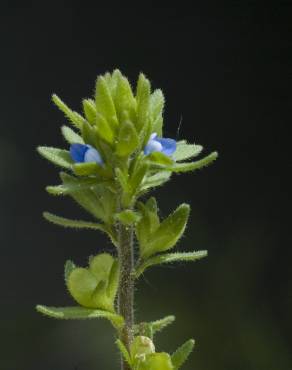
[[126, 287]]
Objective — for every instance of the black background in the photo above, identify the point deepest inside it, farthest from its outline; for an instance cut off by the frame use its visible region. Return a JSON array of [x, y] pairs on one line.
[[225, 71]]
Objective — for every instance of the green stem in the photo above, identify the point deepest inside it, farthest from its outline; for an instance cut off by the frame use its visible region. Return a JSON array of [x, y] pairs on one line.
[[126, 287]]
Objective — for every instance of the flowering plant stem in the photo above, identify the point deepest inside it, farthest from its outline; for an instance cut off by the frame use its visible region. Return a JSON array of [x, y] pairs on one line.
[[126, 286], [117, 155]]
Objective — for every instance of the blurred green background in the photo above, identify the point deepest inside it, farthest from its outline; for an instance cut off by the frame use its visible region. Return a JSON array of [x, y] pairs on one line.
[[226, 74]]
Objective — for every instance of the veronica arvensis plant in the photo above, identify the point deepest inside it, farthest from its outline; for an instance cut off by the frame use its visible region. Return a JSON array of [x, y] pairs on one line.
[[116, 154]]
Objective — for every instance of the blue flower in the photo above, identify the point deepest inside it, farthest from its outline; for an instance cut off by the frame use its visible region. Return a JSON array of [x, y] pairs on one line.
[[81, 153], [159, 144]]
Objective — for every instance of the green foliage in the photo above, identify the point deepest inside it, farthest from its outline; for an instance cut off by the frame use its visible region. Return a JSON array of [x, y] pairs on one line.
[[149, 329], [155, 237], [128, 139], [68, 268], [140, 347], [182, 353], [124, 352], [156, 361], [71, 136], [118, 123], [89, 109], [75, 224], [192, 166], [60, 157], [128, 217], [143, 102], [73, 117], [95, 286], [80, 313], [104, 102], [169, 258]]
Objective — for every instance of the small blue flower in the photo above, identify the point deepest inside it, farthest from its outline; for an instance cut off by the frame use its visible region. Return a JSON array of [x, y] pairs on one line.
[[159, 144], [81, 153]]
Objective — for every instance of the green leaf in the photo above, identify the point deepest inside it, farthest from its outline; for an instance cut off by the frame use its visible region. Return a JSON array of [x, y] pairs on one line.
[[74, 117], [157, 179], [60, 157], [148, 224], [86, 168], [89, 110], [168, 233], [104, 102], [159, 158], [124, 98], [103, 129], [80, 313], [182, 353], [71, 136], [192, 166], [113, 280], [143, 102], [158, 125], [138, 176], [92, 169], [157, 102], [86, 183], [122, 178], [159, 325], [128, 217], [112, 81], [86, 198], [75, 224], [68, 268], [95, 286], [128, 139], [150, 328], [169, 258], [89, 134], [124, 352], [140, 347], [156, 361], [186, 151]]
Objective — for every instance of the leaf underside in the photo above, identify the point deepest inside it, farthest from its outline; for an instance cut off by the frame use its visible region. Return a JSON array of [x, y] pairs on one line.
[[79, 313], [169, 258]]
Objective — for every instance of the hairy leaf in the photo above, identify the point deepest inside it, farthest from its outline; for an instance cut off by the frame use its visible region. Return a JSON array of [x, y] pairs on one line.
[[60, 157], [192, 166], [168, 233], [80, 313], [74, 117], [143, 102], [104, 102], [128, 217], [89, 110], [75, 224], [68, 268], [169, 258], [71, 136], [186, 151], [124, 352], [82, 184], [104, 129], [128, 139], [156, 180], [182, 353]]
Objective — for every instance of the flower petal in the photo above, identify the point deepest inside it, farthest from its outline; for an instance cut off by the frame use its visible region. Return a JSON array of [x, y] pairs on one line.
[[152, 146], [77, 152], [168, 145], [92, 155]]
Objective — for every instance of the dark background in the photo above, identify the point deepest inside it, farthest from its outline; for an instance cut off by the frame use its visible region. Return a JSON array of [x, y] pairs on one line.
[[226, 74]]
